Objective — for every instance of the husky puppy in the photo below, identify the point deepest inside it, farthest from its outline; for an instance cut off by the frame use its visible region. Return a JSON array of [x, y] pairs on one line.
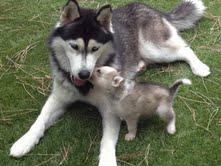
[[131, 100], [85, 38]]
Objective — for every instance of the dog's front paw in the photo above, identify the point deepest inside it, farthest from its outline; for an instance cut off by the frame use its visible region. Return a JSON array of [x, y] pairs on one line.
[[201, 70], [129, 137], [171, 129], [108, 161], [108, 158], [22, 146]]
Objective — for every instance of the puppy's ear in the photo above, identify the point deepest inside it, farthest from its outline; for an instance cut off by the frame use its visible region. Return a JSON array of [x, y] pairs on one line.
[[70, 12], [104, 16], [117, 81]]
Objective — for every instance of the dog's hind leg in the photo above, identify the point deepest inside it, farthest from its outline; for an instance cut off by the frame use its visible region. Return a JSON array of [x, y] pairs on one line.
[[185, 53], [51, 111], [198, 68], [176, 49], [166, 113], [172, 49]]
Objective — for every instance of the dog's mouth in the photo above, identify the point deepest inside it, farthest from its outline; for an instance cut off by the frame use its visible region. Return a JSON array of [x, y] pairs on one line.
[[78, 82]]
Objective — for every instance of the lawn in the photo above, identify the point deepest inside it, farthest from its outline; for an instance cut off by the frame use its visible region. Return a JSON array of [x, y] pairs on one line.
[[74, 140]]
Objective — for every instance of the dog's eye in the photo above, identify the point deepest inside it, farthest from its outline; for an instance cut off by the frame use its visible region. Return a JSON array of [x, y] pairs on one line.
[[75, 47], [94, 49]]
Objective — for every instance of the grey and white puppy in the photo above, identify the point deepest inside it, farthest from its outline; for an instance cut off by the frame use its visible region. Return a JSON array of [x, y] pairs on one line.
[[132, 101]]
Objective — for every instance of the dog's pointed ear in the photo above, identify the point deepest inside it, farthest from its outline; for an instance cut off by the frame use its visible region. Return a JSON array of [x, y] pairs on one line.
[[70, 12], [117, 81], [104, 16]]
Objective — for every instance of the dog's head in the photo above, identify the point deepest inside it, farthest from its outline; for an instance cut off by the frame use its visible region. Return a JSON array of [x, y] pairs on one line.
[[106, 78], [81, 38]]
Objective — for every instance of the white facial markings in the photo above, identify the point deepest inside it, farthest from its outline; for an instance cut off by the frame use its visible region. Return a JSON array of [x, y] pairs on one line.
[[79, 43], [94, 50], [70, 59], [59, 47], [76, 63], [93, 46], [90, 62], [103, 52], [82, 58], [74, 56]]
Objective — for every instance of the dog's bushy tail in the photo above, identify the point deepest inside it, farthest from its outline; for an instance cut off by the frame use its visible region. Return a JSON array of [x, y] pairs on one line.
[[176, 84], [186, 14]]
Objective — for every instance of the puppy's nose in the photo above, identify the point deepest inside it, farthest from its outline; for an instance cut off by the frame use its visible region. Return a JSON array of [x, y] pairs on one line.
[[84, 74]]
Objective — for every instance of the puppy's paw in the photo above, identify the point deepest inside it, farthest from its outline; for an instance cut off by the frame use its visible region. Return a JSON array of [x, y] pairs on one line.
[[22, 146], [129, 137], [201, 69]]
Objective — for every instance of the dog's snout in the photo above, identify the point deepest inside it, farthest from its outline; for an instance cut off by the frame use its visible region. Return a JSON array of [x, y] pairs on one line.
[[84, 74]]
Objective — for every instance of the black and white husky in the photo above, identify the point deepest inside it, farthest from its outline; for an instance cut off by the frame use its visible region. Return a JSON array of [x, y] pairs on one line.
[[121, 38]]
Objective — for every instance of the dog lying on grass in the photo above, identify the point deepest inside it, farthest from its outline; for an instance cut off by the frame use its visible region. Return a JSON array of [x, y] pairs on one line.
[[132, 100]]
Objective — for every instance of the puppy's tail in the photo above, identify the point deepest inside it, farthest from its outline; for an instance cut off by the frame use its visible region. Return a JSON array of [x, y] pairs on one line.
[[185, 15], [176, 84]]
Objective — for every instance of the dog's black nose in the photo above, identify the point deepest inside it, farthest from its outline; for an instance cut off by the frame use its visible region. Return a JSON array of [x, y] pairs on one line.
[[84, 74]]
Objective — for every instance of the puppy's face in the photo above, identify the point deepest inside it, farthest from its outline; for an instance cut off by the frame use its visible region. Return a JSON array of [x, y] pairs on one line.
[[106, 77]]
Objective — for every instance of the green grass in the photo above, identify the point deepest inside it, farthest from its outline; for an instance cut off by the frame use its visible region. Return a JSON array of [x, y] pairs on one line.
[[74, 140]]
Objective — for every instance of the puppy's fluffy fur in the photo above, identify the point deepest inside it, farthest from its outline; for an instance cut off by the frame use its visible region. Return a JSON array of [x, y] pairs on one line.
[[131, 100]]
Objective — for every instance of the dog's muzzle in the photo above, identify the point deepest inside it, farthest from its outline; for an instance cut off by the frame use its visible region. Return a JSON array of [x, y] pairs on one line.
[[77, 82], [84, 74]]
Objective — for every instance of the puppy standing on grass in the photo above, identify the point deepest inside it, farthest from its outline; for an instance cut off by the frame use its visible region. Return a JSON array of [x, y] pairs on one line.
[[132, 100]]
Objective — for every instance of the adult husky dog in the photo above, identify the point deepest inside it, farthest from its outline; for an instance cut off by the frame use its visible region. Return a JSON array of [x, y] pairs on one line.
[[85, 38]]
